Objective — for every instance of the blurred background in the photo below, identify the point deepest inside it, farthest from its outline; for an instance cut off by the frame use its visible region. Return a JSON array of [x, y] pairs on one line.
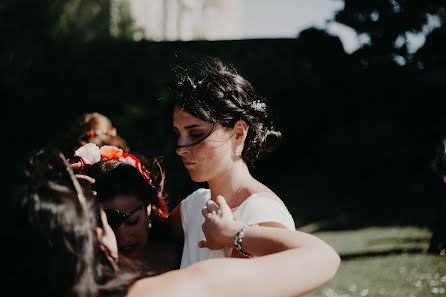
[[357, 87]]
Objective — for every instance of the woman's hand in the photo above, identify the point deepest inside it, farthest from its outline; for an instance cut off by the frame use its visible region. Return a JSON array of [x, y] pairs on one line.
[[85, 177], [219, 226]]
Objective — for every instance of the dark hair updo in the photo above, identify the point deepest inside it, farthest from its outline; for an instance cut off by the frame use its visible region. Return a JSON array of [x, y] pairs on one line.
[[57, 243], [216, 93]]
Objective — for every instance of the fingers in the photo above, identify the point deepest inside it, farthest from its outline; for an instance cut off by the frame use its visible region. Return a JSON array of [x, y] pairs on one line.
[[76, 165], [205, 212], [86, 177], [221, 203], [212, 206], [202, 243]]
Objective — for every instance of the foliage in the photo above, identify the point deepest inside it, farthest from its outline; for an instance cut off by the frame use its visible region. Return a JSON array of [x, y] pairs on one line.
[[127, 28], [76, 21], [386, 23]]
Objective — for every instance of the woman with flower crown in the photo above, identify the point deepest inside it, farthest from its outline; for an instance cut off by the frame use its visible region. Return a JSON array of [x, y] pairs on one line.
[[133, 200], [222, 127]]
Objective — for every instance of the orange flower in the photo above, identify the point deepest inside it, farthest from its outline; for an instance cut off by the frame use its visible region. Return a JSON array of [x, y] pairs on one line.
[[110, 152]]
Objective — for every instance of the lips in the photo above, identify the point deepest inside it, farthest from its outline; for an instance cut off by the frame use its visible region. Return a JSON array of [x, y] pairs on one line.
[[188, 164], [128, 249]]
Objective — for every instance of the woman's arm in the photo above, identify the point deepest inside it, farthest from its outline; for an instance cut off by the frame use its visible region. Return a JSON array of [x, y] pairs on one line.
[[174, 224], [219, 229], [305, 264]]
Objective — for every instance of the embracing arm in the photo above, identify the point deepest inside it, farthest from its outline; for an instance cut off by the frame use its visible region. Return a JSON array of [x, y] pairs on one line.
[[305, 264], [174, 224]]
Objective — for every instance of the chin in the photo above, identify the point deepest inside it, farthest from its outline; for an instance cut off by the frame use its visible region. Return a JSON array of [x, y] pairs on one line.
[[197, 177]]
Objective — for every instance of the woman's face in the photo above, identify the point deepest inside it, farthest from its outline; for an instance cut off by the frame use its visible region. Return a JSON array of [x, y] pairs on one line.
[[132, 233], [206, 159]]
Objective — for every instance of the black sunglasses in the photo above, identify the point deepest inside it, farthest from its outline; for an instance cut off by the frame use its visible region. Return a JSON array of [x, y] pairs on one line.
[[115, 217]]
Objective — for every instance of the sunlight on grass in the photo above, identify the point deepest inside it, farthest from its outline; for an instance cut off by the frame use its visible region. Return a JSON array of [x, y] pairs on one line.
[[385, 261], [376, 239]]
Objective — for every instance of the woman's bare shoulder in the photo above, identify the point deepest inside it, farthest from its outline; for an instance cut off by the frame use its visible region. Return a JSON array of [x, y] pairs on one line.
[[170, 284]]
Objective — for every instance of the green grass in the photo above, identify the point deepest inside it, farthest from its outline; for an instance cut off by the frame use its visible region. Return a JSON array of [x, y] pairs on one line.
[[384, 262]]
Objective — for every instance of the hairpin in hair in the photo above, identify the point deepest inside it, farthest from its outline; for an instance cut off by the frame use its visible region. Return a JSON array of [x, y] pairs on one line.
[[258, 105]]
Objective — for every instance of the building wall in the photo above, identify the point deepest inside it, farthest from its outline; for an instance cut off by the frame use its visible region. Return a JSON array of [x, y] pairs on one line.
[[188, 19]]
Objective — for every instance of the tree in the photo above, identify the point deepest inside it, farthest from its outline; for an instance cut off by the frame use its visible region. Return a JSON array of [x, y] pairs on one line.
[[387, 24]]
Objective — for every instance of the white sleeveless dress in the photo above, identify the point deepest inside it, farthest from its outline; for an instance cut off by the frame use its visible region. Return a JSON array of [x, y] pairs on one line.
[[257, 208]]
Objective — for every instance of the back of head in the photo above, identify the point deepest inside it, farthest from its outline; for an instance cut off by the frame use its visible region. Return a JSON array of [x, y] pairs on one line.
[[55, 248], [95, 128], [216, 93]]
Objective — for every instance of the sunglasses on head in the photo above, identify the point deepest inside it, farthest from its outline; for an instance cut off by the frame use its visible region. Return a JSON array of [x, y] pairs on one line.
[[115, 217]]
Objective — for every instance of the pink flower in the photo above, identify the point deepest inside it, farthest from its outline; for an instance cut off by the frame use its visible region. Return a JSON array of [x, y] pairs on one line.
[[89, 153], [128, 160]]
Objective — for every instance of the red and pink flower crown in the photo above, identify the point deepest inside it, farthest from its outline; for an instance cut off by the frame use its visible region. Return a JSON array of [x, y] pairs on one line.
[[90, 154]]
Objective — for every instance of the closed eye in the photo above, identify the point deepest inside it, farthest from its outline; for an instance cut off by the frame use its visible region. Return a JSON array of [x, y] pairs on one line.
[[131, 222]]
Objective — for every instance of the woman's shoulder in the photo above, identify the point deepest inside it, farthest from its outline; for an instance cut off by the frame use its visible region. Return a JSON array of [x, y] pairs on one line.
[[254, 198], [264, 207], [200, 194], [259, 192], [198, 198]]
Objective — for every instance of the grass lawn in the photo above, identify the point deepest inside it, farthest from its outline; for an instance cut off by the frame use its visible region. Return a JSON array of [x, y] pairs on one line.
[[384, 261]]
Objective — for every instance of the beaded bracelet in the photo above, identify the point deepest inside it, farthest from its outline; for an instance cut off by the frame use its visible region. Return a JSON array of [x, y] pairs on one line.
[[238, 239]]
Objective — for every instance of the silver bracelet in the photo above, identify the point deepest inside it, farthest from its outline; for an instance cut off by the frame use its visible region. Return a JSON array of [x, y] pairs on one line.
[[238, 239]]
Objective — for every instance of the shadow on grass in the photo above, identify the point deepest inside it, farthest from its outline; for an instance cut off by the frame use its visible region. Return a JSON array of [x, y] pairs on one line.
[[396, 251]]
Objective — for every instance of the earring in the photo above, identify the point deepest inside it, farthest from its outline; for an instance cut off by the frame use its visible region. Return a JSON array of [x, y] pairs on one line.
[[149, 225]]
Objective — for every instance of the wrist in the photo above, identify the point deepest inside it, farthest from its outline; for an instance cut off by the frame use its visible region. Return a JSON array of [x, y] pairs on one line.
[[238, 240], [234, 228]]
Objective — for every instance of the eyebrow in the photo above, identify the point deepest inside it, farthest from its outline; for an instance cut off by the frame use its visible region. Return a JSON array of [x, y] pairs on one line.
[[192, 126]]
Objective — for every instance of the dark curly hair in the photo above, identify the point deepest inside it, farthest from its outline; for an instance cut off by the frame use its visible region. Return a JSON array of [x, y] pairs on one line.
[[56, 249], [214, 92]]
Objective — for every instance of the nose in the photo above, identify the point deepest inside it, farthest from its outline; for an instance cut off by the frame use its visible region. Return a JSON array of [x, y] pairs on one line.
[[122, 236], [181, 151]]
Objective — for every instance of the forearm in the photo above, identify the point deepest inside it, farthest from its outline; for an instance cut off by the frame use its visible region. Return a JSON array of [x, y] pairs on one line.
[[174, 225], [290, 273], [260, 241], [293, 272], [220, 230]]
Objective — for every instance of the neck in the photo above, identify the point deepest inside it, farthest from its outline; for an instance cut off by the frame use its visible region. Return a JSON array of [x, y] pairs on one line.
[[231, 183]]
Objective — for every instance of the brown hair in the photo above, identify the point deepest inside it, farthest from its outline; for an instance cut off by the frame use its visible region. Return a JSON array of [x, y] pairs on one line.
[[113, 177], [95, 128]]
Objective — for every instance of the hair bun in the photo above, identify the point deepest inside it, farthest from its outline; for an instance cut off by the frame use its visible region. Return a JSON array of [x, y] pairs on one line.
[[272, 140]]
